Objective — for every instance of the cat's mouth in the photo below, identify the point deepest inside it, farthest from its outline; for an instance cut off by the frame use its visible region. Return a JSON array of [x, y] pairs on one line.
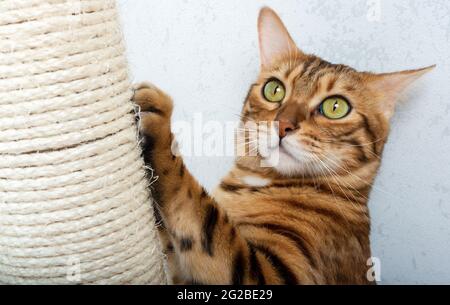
[[286, 156]]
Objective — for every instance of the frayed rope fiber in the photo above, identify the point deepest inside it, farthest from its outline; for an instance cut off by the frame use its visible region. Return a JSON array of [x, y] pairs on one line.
[[74, 200]]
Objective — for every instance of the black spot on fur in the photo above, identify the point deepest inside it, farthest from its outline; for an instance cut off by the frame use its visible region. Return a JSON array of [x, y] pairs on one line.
[[230, 188], [147, 148], [233, 234], [186, 244], [255, 267], [238, 268], [209, 225], [169, 248], [182, 170]]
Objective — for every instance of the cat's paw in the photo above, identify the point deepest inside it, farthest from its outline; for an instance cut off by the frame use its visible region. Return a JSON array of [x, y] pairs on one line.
[[155, 111], [152, 99]]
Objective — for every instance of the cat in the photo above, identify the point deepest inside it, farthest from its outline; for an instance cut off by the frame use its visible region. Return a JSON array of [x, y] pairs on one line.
[[301, 220]]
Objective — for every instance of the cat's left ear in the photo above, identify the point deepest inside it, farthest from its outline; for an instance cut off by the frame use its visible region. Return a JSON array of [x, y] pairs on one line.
[[390, 86], [274, 39]]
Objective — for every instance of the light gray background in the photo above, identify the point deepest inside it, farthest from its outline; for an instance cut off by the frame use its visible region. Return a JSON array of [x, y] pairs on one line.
[[204, 53]]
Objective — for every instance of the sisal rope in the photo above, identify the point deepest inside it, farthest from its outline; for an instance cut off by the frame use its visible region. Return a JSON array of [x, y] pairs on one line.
[[74, 200]]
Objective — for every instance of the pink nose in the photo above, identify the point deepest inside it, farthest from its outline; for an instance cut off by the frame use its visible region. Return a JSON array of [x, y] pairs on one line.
[[284, 128]]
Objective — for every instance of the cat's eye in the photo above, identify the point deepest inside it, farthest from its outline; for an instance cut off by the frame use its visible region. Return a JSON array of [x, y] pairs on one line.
[[274, 91], [335, 108]]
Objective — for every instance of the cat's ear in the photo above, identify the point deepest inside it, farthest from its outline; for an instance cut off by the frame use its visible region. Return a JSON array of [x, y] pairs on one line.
[[274, 39], [389, 86]]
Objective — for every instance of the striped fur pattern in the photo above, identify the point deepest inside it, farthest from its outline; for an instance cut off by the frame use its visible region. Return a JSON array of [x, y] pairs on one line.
[[304, 220]]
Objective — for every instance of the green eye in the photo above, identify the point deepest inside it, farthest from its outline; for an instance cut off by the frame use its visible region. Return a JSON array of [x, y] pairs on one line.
[[274, 91], [335, 108]]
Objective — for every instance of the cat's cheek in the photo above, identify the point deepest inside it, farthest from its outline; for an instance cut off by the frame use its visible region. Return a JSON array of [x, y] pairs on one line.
[[264, 150]]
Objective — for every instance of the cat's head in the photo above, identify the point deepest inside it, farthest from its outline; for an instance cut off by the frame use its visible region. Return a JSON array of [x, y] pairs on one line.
[[328, 117]]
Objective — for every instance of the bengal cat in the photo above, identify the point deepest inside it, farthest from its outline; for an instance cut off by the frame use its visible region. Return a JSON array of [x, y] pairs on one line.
[[302, 219]]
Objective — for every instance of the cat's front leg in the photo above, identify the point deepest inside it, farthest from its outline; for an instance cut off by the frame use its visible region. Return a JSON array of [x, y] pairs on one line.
[[207, 247]]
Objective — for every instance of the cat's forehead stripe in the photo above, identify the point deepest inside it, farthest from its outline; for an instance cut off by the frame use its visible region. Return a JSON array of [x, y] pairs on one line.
[[294, 73]]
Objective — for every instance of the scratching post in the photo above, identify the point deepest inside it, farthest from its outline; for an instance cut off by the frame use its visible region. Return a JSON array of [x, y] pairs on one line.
[[74, 200]]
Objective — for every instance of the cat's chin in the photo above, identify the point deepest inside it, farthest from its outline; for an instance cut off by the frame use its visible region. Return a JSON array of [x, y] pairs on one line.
[[284, 163]]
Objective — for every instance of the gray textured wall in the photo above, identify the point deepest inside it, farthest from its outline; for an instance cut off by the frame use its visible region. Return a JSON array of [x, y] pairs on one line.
[[204, 53]]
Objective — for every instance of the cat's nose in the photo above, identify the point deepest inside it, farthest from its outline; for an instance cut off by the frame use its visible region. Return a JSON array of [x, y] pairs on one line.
[[285, 127]]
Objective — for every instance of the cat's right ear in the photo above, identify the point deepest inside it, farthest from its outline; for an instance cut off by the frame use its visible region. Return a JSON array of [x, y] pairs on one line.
[[391, 85], [274, 39]]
